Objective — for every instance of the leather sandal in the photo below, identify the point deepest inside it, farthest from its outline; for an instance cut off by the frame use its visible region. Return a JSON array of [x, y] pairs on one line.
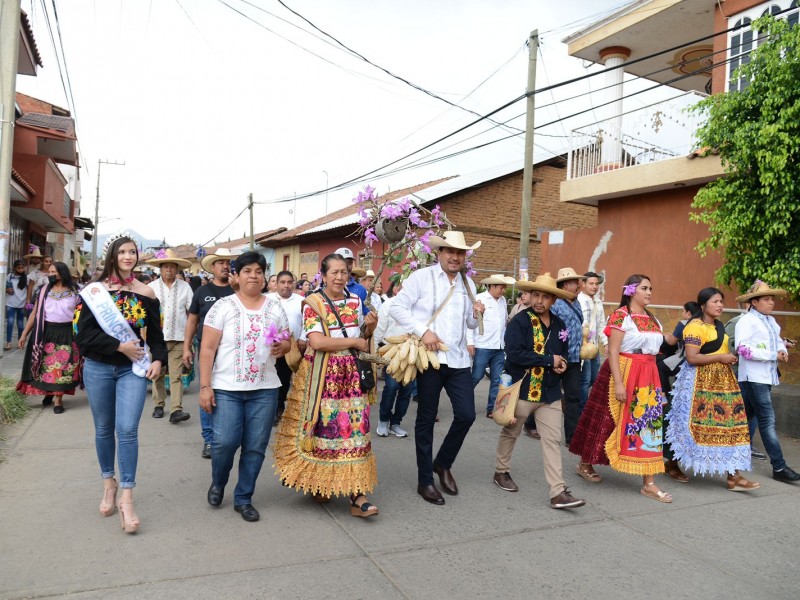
[[589, 474], [660, 495], [737, 483], [365, 509], [673, 469]]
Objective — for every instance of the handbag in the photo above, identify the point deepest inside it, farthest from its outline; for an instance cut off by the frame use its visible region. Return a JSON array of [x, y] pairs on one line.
[[505, 405], [293, 356], [37, 344], [365, 374]]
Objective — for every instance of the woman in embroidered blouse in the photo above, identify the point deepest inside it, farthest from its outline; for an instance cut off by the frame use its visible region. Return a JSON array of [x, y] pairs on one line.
[[708, 425], [116, 393], [243, 334], [622, 422], [323, 444], [55, 371]]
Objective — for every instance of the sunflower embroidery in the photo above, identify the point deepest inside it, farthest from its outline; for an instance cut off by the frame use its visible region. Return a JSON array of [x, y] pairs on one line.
[[537, 373]]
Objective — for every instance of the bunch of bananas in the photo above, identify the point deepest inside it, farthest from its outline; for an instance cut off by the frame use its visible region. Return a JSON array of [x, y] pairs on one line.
[[407, 356]]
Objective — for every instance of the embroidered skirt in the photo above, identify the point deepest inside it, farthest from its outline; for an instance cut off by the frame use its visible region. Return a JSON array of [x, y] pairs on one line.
[[59, 372], [628, 435], [323, 443], [707, 426]]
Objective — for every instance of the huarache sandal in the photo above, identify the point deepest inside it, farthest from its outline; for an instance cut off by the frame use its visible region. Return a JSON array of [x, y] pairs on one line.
[[737, 483], [588, 473], [673, 470], [365, 509], [659, 495]]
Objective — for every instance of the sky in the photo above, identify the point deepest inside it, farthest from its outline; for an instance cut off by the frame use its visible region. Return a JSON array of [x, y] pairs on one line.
[[206, 105]]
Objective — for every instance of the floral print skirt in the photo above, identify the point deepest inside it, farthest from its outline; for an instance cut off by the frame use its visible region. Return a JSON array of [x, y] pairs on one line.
[[59, 372], [323, 445]]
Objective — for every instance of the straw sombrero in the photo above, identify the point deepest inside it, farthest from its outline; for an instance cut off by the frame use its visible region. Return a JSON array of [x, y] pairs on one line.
[[220, 254], [168, 256], [545, 283], [452, 239], [568, 274], [759, 288], [498, 279], [35, 253]]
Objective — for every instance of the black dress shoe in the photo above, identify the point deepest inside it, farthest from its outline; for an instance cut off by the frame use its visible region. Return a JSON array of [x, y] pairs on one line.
[[446, 479], [786, 475], [206, 451], [215, 495], [248, 512], [430, 494], [47, 400], [158, 412], [179, 416]]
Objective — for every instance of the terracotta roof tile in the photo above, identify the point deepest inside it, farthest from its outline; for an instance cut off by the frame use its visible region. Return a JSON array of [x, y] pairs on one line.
[[19, 179], [23, 17]]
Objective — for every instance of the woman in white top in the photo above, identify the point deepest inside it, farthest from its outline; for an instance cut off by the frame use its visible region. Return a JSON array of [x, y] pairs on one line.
[[243, 334], [16, 296]]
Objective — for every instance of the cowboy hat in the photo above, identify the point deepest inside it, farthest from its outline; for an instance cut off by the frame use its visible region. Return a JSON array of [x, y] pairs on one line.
[[545, 283], [220, 254], [168, 256], [498, 279], [452, 239], [358, 273], [759, 288], [567, 274], [35, 254]]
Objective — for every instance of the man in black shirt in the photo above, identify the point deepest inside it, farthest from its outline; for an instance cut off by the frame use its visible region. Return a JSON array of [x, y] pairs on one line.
[[219, 265]]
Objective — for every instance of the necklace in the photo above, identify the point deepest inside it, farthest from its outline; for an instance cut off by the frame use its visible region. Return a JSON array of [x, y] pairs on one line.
[[114, 280]]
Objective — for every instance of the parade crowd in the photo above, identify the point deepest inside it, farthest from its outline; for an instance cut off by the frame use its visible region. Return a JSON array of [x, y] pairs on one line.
[[302, 357]]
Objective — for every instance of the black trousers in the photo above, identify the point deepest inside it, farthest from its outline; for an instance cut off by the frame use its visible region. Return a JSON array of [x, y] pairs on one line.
[[458, 385], [285, 375]]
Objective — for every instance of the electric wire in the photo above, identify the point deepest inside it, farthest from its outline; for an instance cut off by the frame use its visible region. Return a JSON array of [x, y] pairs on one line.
[[221, 231]]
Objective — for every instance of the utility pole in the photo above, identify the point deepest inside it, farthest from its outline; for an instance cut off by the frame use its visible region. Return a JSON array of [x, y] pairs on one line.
[[252, 231], [527, 173], [9, 58], [97, 211]]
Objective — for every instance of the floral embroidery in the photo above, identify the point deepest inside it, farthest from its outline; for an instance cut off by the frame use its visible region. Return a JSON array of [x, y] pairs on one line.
[[537, 373], [647, 407], [132, 308], [349, 312]]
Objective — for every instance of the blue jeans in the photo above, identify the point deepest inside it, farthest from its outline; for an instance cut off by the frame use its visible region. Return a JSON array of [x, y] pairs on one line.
[[18, 315], [495, 360], [116, 398], [758, 395], [241, 419], [589, 372], [391, 389]]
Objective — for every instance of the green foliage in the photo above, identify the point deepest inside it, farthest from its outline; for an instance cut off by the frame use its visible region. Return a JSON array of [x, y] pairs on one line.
[[12, 403], [753, 213]]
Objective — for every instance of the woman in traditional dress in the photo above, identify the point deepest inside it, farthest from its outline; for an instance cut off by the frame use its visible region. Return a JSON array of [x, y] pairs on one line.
[[708, 424], [243, 334], [622, 422], [115, 390], [51, 366], [323, 445]]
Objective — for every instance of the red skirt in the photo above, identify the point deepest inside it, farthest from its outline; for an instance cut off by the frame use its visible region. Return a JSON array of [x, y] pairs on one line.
[[596, 423]]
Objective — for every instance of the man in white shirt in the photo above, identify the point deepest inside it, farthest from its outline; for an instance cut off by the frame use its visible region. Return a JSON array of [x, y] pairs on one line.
[[594, 319], [760, 347], [441, 288], [488, 349], [175, 297], [292, 306], [395, 394]]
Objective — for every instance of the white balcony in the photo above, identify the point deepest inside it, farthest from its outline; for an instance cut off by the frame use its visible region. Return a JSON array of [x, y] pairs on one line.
[[657, 132]]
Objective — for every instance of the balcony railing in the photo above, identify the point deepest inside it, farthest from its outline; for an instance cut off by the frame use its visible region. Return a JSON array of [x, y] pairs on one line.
[[656, 132]]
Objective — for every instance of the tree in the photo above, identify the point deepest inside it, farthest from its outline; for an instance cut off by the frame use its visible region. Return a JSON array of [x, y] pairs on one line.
[[753, 212]]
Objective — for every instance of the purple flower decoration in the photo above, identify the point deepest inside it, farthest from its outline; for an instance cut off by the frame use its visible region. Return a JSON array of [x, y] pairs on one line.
[[405, 205], [630, 289], [273, 334], [363, 218], [744, 352], [391, 211], [160, 254], [436, 214], [414, 217], [370, 237], [413, 265], [563, 335]]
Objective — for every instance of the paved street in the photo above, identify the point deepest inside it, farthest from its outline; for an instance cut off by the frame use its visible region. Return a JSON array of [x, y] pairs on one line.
[[485, 543]]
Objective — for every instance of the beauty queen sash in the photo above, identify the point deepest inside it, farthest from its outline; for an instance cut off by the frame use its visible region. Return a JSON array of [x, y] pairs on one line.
[[112, 322]]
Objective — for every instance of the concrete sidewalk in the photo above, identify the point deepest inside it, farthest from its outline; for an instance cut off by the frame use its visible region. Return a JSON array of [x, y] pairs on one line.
[[485, 543]]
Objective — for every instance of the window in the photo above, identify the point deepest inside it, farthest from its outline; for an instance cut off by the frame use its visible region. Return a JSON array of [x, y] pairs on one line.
[[286, 262]]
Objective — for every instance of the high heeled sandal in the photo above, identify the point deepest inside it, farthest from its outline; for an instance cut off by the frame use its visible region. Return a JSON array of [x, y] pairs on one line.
[[660, 495], [365, 509], [132, 525], [107, 504]]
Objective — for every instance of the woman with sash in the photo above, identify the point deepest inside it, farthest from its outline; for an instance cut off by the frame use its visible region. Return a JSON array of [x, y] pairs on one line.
[[51, 366], [323, 445], [622, 422], [117, 314], [708, 425]]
